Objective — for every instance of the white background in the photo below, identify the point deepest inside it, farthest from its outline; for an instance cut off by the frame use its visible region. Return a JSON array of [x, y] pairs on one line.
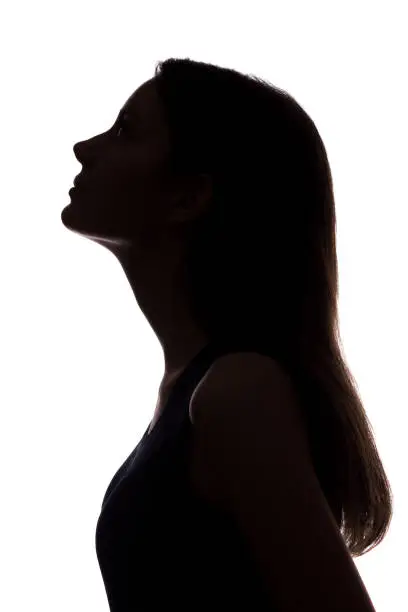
[[80, 364]]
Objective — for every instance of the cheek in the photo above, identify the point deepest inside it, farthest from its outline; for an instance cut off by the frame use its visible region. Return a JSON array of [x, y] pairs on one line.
[[129, 188]]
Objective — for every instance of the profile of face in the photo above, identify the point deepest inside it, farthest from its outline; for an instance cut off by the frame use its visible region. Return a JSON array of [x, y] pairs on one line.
[[125, 195]]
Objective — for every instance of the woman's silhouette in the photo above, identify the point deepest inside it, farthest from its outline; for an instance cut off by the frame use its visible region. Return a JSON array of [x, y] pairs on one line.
[[214, 192]]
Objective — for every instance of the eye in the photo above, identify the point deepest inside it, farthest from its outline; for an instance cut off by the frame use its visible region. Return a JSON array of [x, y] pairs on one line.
[[120, 127]]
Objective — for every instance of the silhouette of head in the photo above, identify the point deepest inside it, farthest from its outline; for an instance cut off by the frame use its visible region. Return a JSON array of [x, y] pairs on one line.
[[127, 196]]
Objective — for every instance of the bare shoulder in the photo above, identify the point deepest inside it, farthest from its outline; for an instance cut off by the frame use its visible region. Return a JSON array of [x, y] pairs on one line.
[[245, 400], [243, 386]]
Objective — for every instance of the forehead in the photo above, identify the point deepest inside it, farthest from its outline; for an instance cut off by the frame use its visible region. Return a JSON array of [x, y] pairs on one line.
[[143, 101]]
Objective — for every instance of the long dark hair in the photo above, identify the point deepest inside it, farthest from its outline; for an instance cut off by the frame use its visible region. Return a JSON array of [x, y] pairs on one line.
[[262, 265]]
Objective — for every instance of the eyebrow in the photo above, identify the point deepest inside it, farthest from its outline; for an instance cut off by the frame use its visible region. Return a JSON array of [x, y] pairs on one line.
[[122, 113], [129, 114]]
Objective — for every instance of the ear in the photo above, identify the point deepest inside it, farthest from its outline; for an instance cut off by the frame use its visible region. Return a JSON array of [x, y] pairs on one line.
[[193, 198]]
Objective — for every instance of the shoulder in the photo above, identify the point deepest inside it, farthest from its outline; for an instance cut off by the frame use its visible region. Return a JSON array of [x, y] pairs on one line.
[[252, 367], [242, 387], [246, 404]]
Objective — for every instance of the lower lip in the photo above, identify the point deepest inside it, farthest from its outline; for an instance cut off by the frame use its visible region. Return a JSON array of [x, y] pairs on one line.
[[71, 191]]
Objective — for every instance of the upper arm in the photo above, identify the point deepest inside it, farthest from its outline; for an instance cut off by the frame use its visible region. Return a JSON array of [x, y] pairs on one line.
[[251, 456]]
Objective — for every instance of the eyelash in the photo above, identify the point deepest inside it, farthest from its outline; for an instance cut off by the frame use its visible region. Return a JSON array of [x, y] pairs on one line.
[[120, 127]]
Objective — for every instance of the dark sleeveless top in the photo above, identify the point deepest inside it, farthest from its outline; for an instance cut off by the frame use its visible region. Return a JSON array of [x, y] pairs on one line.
[[159, 546]]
